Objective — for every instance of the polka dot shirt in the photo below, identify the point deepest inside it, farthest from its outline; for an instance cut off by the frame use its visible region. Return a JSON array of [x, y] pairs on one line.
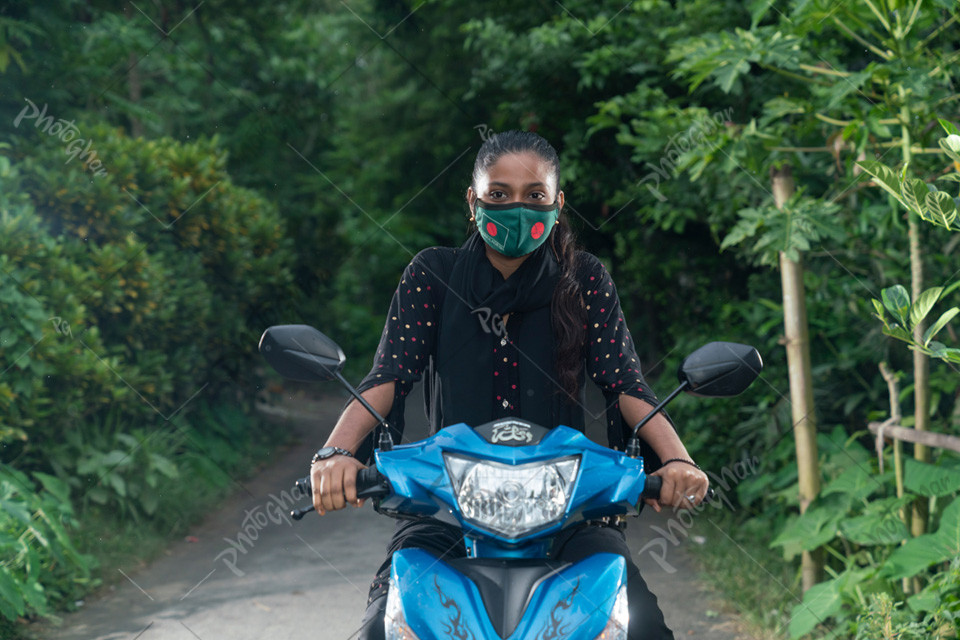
[[409, 336]]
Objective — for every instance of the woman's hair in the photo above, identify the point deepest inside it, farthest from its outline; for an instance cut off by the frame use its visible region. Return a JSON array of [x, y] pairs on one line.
[[567, 306]]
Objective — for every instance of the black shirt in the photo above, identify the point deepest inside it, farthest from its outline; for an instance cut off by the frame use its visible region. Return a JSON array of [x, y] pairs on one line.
[[410, 334]]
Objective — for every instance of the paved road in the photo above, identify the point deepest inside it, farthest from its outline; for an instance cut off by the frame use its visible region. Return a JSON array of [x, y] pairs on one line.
[[253, 574]]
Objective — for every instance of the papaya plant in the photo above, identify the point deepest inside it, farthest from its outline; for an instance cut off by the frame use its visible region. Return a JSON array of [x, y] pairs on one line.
[[938, 208]]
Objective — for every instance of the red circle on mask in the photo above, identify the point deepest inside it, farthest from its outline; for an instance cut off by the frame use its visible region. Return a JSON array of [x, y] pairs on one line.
[[491, 229], [537, 231]]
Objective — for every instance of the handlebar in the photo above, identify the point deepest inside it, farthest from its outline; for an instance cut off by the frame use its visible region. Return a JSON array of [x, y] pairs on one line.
[[373, 484], [370, 484], [651, 489]]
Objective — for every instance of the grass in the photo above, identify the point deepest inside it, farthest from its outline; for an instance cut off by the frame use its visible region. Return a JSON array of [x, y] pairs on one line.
[[755, 581]]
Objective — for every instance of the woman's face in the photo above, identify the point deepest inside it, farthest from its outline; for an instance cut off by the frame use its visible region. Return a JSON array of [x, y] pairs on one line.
[[517, 177]]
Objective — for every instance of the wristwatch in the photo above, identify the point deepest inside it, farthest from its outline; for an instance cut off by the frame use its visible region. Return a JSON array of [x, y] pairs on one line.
[[329, 452]]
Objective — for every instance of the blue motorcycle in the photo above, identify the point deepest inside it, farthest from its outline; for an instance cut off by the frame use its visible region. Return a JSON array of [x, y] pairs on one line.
[[511, 486]]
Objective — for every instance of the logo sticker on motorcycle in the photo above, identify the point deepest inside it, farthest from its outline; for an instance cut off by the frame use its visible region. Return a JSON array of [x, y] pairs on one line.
[[511, 432]]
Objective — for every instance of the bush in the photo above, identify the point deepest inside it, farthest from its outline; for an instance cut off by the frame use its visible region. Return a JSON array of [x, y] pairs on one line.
[[133, 290], [40, 567], [126, 293]]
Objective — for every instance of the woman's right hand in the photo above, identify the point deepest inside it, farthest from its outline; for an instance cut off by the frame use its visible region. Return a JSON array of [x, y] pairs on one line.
[[334, 483]]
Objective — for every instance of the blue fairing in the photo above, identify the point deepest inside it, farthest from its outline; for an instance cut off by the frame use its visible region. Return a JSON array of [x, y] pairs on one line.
[[608, 483], [439, 602]]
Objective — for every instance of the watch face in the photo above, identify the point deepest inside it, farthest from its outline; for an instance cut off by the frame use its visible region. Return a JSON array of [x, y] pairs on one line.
[[325, 453]]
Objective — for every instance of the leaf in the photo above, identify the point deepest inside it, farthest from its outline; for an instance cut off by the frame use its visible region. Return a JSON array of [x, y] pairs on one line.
[[897, 301], [17, 510], [923, 551], [114, 458], [925, 302], [949, 127], [728, 73], [899, 333], [913, 192], [928, 480], [941, 208], [878, 308], [854, 482], [11, 602], [884, 177], [164, 466], [952, 177], [926, 600], [935, 328], [951, 146], [55, 486], [118, 484], [814, 528], [819, 603], [875, 528]]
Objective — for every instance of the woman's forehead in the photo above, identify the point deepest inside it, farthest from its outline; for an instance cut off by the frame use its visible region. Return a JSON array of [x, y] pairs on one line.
[[519, 170]]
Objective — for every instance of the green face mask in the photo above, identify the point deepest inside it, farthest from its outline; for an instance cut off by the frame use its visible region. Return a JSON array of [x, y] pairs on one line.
[[515, 228]]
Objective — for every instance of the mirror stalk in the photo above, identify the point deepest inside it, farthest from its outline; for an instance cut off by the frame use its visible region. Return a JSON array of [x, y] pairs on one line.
[[633, 446], [386, 442]]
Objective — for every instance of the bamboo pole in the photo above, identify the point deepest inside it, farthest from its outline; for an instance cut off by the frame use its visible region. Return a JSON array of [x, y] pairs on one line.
[[928, 438], [801, 380], [921, 363]]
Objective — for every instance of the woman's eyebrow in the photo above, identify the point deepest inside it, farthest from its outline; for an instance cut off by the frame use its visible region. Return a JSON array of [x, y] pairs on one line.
[[504, 184]]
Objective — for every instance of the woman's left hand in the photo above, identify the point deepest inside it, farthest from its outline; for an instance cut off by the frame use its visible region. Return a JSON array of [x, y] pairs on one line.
[[684, 486]]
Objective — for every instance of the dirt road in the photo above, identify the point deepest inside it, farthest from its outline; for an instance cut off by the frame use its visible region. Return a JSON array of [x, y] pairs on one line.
[[248, 572]]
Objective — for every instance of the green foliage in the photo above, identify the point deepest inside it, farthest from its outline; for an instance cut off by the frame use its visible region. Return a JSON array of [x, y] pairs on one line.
[[119, 279], [861, 529], [802, 223], [123, 472], [940, 209], [40, 566]]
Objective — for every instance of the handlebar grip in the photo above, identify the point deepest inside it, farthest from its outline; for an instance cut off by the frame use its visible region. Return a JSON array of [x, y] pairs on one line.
[[371, 484], [651, 487], [304, 487]]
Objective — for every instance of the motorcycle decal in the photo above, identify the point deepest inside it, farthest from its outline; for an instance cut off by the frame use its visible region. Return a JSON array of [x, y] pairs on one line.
[[555, 629], [511, 431], [454, 628]]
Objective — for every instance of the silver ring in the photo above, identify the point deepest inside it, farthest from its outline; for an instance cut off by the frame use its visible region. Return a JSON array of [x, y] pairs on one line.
[[691, 498]]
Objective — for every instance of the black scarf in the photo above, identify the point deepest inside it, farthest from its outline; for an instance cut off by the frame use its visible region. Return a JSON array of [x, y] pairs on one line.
[[477, 295]]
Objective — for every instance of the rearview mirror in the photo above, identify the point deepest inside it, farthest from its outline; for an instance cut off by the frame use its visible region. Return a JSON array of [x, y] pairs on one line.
[[300, 352], [720, 369]]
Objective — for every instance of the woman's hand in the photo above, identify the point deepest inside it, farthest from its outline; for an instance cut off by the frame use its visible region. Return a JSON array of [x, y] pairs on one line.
[[684, 486], [334, 483]]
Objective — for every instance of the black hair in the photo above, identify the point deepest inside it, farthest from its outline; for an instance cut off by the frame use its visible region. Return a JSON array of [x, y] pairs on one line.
[[567, 307]]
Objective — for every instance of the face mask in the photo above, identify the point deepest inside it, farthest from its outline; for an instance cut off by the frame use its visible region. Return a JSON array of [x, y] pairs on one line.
[[515, 228]]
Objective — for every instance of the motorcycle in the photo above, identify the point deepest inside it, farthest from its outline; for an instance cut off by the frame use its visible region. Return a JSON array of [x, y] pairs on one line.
[[511, 486]]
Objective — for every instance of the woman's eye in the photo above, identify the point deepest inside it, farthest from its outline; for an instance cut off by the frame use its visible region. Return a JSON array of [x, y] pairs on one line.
[[497, 195], [537, 195]]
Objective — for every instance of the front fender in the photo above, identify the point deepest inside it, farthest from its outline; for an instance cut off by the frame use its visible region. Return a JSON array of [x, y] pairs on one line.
[[572, 603]]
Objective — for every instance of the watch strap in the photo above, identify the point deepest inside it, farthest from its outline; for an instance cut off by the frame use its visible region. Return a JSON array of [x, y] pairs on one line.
[[329, 452]]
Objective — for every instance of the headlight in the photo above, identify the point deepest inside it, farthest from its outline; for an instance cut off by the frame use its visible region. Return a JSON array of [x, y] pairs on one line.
[[616, 628], [395, 623], [512, 500]]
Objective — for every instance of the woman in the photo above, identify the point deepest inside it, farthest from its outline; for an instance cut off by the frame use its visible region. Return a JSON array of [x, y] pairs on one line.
[[510, 324]]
